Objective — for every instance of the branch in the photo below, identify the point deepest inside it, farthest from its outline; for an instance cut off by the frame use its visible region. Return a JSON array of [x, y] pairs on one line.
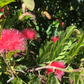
[[9, 69], [10, 80], [52, 67]]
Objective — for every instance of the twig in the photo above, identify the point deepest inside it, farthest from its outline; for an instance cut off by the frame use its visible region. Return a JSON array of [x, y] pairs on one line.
[[9, 69], [52, 67], [10, 80]]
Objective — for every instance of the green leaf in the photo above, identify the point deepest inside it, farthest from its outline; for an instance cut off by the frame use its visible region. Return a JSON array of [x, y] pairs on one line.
[[82, 72], [5, 2], [10, 21], [82, 76], [46, 51], [60, 57], [63, 37], [0, 31], [1, 13], [79, 1], [20, 68], [20, 59], [42, 64], [1, 70], [34, 80], [17, 80], [52, 50], [70, 68], [74, 50], [26, 17], [48, 46], [75, 76], [38, 60], [69, 30], [41, 52], [52, 79], [10, 54], [30, 4], [2, 21], [19, 13]]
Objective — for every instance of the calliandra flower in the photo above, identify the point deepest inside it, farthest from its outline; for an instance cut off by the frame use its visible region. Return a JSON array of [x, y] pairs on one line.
[[29, 33], [57, 19], [54, 38], [62, 24], [11, 40], [56, 72], [2, 10]]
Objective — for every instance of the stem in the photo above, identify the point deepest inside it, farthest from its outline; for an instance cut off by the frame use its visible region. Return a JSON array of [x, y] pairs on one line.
[[9, 69], [67, 66], [52, 67], [10, 80], [27, 50]]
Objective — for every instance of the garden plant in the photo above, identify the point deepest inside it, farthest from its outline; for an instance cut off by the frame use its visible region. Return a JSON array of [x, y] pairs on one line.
[[41, 42]]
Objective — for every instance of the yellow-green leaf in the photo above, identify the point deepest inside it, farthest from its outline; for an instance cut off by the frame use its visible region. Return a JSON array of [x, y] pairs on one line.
[[5, 2], [30, 4]]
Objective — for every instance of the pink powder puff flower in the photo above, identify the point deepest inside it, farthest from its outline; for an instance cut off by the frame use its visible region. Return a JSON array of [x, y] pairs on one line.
[[2, 10], [29, 33], [57, 19], [56, 72], [11, 40], [54, 38], [62, 23]]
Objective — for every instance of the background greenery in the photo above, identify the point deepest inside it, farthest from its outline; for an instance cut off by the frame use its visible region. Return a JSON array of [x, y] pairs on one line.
[[68, 49]]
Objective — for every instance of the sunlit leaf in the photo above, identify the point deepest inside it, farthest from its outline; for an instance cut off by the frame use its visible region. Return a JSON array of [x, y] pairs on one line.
[[52, 50], [30, 4], [5, 2], [75, 76], [17, 80], [20, 68]]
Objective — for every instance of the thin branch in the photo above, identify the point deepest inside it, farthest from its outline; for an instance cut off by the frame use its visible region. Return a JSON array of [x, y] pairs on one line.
[[9, 69], [52, 67], [10, 80]]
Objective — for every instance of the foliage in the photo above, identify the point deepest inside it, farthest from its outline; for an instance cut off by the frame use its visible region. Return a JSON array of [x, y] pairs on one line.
[[30, 4], [63, 19], [5, 2]]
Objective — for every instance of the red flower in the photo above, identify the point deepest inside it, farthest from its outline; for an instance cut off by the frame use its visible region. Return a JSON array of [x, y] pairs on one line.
[[57, 19], [54, 38], [63, 24], [2, 10], [12, 39], [58, 65], [2, 16], [29, 33]]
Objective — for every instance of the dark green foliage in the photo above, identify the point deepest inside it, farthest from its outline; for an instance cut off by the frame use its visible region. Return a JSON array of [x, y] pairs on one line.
[[69, 48], [52, 79]]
